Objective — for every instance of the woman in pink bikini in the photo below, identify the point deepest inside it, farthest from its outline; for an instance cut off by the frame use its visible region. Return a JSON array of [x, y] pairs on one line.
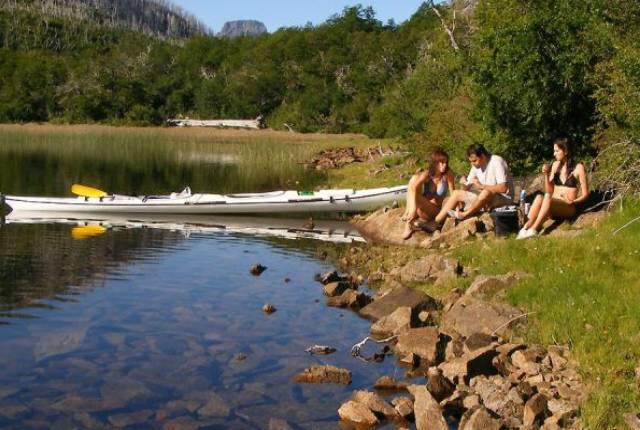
[[426, 192], [561, 181]]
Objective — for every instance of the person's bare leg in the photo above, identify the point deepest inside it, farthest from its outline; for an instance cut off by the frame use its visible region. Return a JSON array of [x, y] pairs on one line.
[[451, 203], [533, 211], [543, 214], [412, 192], [483, 198]]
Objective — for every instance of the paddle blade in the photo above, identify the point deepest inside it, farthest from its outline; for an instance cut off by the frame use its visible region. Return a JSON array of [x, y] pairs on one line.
[[87, 231], [84, 191]]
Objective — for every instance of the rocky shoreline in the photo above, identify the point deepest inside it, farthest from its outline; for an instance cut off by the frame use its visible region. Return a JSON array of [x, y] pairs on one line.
[[465, 364], [468, 369]]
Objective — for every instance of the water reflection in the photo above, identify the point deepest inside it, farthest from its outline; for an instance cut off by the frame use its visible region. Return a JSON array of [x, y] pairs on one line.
[[142, 327]]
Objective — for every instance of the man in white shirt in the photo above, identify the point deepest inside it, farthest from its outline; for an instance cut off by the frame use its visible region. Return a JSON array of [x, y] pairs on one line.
[[489, 185]]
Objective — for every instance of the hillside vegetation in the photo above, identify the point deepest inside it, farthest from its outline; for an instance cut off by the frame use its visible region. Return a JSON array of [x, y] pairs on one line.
[[509, 73]]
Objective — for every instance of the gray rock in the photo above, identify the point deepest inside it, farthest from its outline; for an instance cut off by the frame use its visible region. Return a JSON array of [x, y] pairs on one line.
[[330, 277], [439, 386], [632, 421], [318, 374], [429, 269], [375, 403], [477, 341], [423, 342], [485, 286], [479, 418], [334, 289], [396, 322], [427, 411], [389, 383], [498, 396], [471, 315], [399, 297], [403, 405], [349, 299], [357, 413], [534, 410], [130, 419], [467, 366], [562, 409]]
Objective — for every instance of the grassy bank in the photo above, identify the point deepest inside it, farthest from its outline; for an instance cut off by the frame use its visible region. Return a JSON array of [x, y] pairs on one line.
[[586, 293]]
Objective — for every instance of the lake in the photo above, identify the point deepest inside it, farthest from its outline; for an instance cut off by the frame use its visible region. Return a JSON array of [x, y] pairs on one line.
[[134, 324]]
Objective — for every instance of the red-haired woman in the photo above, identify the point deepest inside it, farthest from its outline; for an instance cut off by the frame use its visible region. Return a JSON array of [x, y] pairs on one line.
[[561, 182], [427, 190]]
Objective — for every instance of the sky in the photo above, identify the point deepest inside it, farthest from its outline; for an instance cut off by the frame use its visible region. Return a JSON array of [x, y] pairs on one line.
[[288, 13]]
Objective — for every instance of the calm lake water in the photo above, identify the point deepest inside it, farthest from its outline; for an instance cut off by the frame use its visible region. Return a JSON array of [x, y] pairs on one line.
[[143, 327]]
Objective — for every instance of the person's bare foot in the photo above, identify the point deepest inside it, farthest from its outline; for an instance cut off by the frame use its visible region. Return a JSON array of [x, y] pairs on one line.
[[408, 231]]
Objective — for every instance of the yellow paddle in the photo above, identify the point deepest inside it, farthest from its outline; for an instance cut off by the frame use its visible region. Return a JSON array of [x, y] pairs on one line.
[[84, 191], [87, 231]]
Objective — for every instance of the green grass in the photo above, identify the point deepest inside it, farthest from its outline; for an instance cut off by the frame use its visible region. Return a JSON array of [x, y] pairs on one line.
[[586, 293]]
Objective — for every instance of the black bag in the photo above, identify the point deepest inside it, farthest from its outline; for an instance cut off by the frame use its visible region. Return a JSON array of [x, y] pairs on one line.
[[505, 220]]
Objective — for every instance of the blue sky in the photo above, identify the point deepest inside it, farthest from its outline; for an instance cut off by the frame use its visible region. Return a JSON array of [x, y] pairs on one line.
[[287, 13]]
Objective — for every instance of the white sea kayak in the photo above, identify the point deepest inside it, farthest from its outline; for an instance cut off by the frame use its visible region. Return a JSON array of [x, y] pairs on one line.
[[344, 200]]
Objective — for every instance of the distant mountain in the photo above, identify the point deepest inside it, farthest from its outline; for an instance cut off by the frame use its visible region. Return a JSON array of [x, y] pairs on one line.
[[242, 28], [159, 18]]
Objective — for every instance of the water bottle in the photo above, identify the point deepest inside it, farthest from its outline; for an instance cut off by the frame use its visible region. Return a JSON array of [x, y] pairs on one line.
[[523, 205]]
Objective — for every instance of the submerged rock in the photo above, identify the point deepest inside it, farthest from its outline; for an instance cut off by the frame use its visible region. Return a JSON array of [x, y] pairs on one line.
[[268, 308], [130, 419], [389, 383], [257, 269], [318, 374], [357, 413]]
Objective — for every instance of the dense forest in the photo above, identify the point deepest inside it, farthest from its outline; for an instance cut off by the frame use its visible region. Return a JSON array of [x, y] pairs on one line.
[[510, 73]]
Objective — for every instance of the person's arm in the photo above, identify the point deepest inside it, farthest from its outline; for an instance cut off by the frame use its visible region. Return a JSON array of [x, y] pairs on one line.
[[423, 177], [469, 181], [548, 175], [581, 173], [451, 181]]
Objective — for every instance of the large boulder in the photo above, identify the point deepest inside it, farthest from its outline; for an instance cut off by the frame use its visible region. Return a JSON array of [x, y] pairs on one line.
[[485, 286], [398, 321], [470, 315], [384, 226], [375, 403], [427, 411], [423, 342], [400, 296], [430, 268]]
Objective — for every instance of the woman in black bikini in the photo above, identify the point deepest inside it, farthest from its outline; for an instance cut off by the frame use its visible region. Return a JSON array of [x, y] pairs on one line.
[[561, 190], [427, 190]]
